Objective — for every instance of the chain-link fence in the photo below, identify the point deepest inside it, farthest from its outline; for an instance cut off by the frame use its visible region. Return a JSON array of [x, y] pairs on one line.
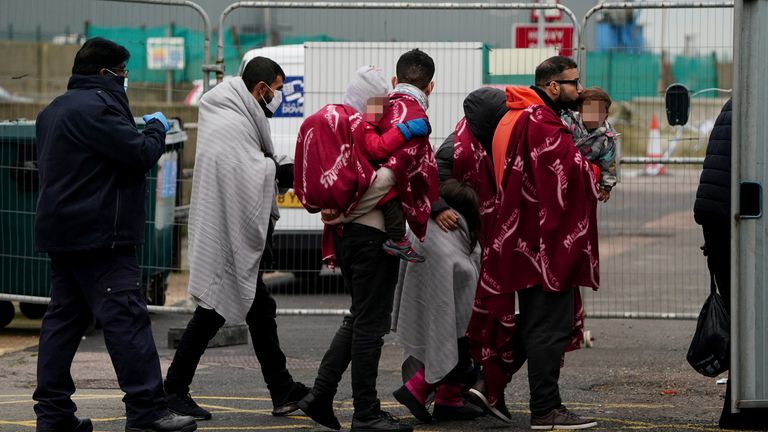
[[651, 266]]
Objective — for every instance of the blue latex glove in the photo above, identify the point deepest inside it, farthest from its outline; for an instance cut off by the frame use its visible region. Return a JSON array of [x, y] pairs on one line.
[[414, 128], [158, 116]]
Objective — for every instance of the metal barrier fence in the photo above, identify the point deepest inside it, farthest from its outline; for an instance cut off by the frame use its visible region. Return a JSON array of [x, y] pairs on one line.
[[651, 266], [651, 263], [43, 46]]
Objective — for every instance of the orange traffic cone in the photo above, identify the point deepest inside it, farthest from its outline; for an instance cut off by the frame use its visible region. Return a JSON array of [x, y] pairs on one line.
[[654, 149]]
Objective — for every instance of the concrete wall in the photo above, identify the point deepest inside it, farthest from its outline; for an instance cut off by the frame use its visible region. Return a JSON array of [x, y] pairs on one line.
[[35, 69], [41, 71]]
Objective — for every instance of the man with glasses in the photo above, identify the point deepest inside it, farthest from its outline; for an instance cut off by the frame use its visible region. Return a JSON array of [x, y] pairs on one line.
[[90, 217], [543, 247]]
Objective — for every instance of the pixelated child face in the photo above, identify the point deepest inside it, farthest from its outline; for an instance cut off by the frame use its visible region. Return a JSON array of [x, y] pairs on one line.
[[374, 109], [593, 113]]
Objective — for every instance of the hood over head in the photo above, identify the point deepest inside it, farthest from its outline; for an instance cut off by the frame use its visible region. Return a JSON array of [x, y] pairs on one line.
[[484, 109]]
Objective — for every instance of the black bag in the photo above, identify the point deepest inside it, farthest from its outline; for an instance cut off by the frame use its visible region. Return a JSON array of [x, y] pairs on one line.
[[710, 350]]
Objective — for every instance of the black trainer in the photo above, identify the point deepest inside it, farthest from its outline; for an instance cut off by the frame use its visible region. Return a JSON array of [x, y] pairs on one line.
[[381, 422], [320, 410], [406, 398], [403, 250], [498, 410], [80, 425], [468, 411], [184, 405], [287, 403], [169, 423]]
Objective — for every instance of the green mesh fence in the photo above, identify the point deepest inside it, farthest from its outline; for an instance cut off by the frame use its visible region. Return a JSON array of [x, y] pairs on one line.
[[697, 73], [135, 40], [624, 76]]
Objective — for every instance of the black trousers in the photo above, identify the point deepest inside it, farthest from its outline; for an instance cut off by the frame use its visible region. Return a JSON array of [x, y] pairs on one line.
[[204, 325], [717, 241], [546, 323], [394, 219], [370, 275], [104, 284]]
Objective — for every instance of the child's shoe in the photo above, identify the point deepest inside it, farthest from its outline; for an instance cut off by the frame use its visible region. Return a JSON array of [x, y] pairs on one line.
[[403, 250]]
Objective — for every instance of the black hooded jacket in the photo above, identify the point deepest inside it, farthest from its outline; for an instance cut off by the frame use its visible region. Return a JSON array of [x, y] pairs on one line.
[[483, 109], [92, 164], [713, 197]]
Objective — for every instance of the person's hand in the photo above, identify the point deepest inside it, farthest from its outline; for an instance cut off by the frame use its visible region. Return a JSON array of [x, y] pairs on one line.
[[414, 128], [330, 216], [447, 220], [159, 117], [603, 195]]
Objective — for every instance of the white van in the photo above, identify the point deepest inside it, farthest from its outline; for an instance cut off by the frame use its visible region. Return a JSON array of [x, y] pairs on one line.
[[317, 73]]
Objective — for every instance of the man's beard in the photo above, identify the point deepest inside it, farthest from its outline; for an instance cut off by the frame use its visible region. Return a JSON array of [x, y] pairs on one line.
[[566, 104]]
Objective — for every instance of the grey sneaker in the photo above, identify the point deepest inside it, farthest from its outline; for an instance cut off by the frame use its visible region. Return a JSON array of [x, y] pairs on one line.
[[561, 418]]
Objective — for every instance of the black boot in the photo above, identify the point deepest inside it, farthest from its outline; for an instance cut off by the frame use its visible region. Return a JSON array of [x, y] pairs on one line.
[[184, 405], [287, 402], [81, 425], [319, 409], [169, 423]]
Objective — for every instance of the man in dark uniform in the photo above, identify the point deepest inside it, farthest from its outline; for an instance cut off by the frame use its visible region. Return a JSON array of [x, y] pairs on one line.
[[90, 216]]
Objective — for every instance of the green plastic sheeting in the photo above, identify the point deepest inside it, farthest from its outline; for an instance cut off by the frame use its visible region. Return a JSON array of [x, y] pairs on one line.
[[697, 73], [135, 40], [624, 76]]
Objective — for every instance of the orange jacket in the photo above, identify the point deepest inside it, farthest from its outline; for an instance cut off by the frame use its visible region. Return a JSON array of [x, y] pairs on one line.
[[518, 99]]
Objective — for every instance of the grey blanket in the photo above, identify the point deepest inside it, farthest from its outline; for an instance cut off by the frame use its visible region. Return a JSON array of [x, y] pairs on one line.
[[233, 194], [433, 300]]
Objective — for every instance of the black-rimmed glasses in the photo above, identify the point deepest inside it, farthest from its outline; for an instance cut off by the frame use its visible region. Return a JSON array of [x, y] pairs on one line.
[[576, 82]]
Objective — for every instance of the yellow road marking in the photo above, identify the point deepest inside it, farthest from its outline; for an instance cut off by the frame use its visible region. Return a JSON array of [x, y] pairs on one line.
[[254, 428], [344, 406]]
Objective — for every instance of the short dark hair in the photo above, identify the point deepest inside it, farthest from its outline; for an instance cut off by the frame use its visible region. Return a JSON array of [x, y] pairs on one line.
[[551, 68], [99, 53], [416, 68], [261, 69], [595, 94]]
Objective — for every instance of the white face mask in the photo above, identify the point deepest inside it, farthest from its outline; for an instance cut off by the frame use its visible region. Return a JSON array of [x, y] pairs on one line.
[[125, 80], [274, 104]]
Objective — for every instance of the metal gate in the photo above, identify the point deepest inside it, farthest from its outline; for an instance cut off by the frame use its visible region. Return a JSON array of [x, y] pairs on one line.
[[651, 264]]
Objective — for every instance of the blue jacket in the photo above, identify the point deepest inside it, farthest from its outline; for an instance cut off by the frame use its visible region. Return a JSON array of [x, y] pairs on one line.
[[92, 163], [713, 197]]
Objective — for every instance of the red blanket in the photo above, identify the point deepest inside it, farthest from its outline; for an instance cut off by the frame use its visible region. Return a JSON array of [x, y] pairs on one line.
[[545, 234], [330, 170], [413, 164], [471, 164]]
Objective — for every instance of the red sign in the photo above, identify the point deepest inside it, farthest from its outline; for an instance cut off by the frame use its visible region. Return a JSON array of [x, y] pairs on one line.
[[549, 14], [560, 36]]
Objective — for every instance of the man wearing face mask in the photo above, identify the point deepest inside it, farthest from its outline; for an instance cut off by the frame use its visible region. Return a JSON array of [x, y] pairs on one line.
[[231, 218], [542, 248], [90, 217]]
